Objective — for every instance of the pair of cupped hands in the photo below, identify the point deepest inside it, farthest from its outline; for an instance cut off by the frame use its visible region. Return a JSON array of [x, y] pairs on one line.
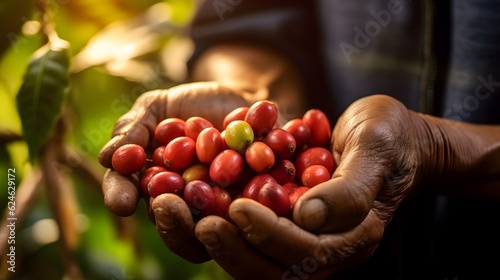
[[376, 144]]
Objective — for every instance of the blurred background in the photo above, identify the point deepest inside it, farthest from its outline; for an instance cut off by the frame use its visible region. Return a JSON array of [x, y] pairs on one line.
[[118, 49]]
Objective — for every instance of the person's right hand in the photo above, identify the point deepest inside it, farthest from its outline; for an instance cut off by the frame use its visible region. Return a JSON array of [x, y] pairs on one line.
[[170, 213]]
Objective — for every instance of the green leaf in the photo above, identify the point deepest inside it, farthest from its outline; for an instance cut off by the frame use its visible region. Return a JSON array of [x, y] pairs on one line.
[[41, 96]]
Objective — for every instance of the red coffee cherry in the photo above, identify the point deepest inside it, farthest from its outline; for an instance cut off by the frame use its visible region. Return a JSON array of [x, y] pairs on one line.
[[290, 187], [295, 194], [283, 171], [165, 182], [169, 129], [300, 132], [200, 197], [128, 159], [253, 187], [237, 114], [158, 157], [208, 144], [222, 201], [259, 157], [224, 143], [281, 142], [147, 175], [195, 125], [320, 128], [262, 117], [226, 168], [179, 153], [315, 174], [314, 156], [275, 197]]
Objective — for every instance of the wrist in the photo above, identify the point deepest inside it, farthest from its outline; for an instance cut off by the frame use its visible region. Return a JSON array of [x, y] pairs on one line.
[[458, 157]]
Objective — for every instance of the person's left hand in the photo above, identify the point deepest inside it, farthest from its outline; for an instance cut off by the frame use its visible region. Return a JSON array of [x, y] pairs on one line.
[[338, 224]]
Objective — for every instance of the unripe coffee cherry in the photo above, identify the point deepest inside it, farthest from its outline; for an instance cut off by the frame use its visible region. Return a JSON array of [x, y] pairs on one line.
[[239, 135]]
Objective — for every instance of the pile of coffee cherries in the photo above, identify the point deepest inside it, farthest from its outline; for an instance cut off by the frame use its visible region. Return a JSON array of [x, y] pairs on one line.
[[250, 158]]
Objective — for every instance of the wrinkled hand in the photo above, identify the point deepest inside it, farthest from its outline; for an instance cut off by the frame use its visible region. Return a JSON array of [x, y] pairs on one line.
[[121, 193], [339, 223]]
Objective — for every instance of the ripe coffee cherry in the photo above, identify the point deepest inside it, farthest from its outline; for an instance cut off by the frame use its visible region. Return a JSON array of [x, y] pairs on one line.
[[314, 156], [196, 172], [226, 168], [283, 171], [128, 159], [275, 197], [179, 153], [195, 125], [223, 136], [253, 187], [165, 182], [169, 129], [208, 144], [147, 175], [315, 174], [222, 201], [239, 135], [281, 142], [290, 187], [300, 132], [320, 128], [259, 157], [158, 157], [295, 194], [262, 117], [237, 114], [200, 197]]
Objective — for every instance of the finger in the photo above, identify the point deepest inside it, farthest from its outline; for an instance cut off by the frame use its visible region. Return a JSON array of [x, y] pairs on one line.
[[121, 193], [209, 100], [277, 237], [353, 247], [307, 256], [230, 250], [364, 146], [137, 125], [344, 201], [175, 226]]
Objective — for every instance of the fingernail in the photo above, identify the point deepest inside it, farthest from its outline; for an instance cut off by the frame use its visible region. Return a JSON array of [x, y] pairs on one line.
[[163, 220], [313, 214]]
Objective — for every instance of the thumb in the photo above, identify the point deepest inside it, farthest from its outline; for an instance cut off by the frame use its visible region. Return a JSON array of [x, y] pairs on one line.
[[344, 201], [137, 125]]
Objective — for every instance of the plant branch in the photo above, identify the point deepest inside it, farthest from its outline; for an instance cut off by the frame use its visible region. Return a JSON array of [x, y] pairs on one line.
[[7, 136]]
